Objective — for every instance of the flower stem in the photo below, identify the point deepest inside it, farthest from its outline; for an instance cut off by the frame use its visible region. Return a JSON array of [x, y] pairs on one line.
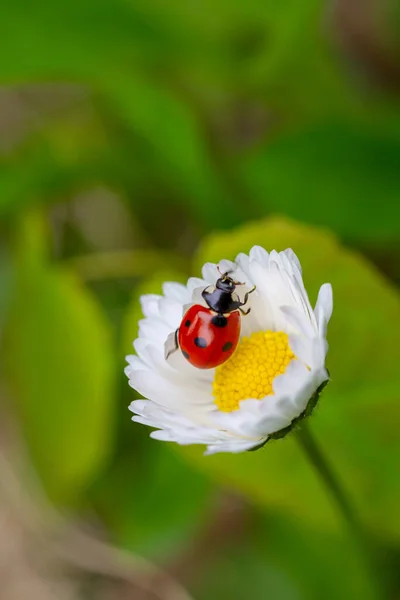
[[325, 471], [362, 538]]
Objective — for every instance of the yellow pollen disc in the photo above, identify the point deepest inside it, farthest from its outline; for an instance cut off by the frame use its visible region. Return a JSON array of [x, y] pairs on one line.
[[252, 368]]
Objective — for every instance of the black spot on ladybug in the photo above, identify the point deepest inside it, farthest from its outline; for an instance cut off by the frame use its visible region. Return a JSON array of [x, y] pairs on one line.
[[219, 321], [227, 346], [187, 323], [185, 354], [200, 342]]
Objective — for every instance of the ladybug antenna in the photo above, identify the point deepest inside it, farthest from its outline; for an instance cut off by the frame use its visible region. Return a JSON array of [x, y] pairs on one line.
[[226, 275]]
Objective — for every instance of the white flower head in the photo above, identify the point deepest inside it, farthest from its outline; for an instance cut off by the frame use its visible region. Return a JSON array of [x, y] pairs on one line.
[[270, 382]]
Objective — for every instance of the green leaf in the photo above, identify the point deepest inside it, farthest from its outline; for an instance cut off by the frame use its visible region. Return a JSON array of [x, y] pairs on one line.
[[171, 130], [66, 154], [334, 175], [74, 39], [313, 559], [275, 476], [153, 502], [355, 422], [281, 557], [5, 285], [60, 366]]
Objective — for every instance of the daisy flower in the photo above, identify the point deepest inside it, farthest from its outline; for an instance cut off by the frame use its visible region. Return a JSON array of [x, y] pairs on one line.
[[271, 381]]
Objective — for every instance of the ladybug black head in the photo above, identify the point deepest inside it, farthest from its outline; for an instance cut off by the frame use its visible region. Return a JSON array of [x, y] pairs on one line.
[[221, 299], [226, 283]]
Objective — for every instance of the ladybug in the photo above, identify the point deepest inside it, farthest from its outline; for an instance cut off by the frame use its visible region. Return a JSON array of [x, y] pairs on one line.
[[208, 335]]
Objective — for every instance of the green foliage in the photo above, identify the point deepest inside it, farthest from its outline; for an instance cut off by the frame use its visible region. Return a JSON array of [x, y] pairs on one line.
[[157, 115], [196, 118], [368, 163], [5, 283], [59, 360], [155, 505], [281, 557], [42, 45]]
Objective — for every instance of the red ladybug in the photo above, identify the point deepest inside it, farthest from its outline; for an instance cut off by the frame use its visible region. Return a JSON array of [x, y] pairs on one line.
[[207, 337]]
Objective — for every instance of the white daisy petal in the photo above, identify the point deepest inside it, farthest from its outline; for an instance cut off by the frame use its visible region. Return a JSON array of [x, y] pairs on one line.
[[197, 297], [324, 307], [291, 380], [181, 366], [292, 257], [149, 304], [320, 350], [268, 315], [298, 320], [302, 347], [175, 291], [171, 311], [155, 387], [258, 424], [141, 346], [226, 266], [179, 438], [145, 421], [194, 283], [135, 364], [139, 406], [172, 397], [243, 262], [154, 329], [235, 447], [260, 255], [187, 405], [210, 273]]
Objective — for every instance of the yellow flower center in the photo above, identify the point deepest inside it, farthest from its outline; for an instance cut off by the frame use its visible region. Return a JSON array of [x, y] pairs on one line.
[[252, 368]]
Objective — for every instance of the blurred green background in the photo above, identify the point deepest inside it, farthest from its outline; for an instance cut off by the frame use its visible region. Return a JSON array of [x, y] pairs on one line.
[[139, 139]]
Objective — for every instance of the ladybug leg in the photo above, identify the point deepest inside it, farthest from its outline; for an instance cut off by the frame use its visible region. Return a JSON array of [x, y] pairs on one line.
[[245, 312], [246, 297], [205, 292], [207, 295], [171, 345]]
